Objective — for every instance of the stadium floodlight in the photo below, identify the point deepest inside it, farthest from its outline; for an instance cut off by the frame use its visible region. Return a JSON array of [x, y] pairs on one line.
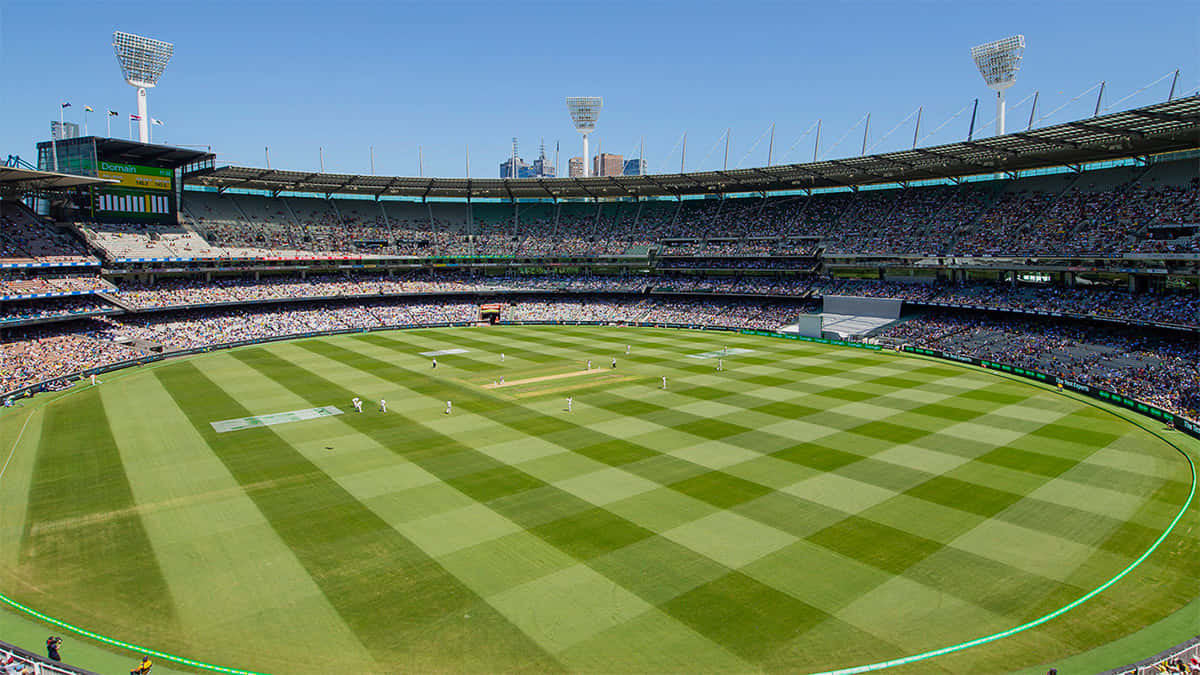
[[142, 62], [998, 63], [585, 110]]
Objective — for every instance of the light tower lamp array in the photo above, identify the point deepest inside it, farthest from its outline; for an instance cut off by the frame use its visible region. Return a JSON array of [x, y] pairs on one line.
[[585, 110], [998, 63], [142, 62]]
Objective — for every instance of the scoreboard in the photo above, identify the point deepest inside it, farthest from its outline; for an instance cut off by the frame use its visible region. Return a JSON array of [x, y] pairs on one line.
[[144, 182], [141, 193]]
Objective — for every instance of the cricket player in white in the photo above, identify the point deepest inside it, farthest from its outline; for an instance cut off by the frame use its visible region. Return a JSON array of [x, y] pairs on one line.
[[501, 357], [382, 405], [614, 362], [626, 350], [357, 403], [449, 407], [93, 377], [435, 363], [570, 400], [589, 364], [664, 381], [720, 364]]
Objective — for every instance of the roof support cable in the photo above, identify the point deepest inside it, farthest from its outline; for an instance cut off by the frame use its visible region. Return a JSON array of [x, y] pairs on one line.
[[1078, 96], [753, 147], [1116, 103], [783, 159], [839, 141], [941, 126], [871, 148]]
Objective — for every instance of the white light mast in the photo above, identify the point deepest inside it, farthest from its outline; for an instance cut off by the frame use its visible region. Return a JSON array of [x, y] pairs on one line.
[[999, 62], [584, 112], [142, 62]]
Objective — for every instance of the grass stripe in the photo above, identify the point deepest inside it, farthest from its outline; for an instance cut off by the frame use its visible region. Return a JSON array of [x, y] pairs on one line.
[[78, 476], [403, 606]]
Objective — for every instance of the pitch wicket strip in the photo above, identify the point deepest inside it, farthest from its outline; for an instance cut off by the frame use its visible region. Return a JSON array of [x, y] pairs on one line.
[[543, 378]]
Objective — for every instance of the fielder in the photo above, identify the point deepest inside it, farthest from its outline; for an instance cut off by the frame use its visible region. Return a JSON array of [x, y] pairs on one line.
[[435, 363], [614, 362], [570, 400], [501, 357], [93, 378], [720, 364], [664, 381], [589, 364], [626, 350], [357, 403], [382, 405], [449, 407]]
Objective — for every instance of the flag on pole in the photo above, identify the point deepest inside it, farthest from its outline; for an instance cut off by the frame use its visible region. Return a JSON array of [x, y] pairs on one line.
[[154, 121], [66, 105], [135, 118], [88, 108], [113, 113]]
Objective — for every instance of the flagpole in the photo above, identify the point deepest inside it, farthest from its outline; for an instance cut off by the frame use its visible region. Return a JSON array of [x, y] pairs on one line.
[[60, 133]]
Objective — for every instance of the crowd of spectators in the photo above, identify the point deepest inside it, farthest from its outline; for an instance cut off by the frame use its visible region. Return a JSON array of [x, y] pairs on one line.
[[1177, 308], [1160, 369], [1101, 213], [174, 292], [55, 351], [38, 285], [55, 308], [1107, 212], [25, 239]]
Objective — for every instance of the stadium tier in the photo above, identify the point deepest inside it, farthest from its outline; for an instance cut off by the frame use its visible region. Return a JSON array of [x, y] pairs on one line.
[[1102, 213]]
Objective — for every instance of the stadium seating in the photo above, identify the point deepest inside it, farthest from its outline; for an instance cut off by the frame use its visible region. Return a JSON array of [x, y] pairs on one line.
[[25, 239], [1102, 212]]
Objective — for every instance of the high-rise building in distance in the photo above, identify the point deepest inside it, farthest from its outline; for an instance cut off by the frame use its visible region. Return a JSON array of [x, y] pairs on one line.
[[541, 167], [63, 132], [575, 167], [635, 167], [606, 164]]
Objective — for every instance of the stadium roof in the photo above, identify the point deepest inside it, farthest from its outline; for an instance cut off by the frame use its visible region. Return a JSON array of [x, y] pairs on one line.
[[19, 181], [119, 150], [133, 152], [1154, 129]]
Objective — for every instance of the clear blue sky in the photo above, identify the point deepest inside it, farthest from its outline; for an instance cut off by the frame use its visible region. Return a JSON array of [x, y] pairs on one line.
[[397, 75]]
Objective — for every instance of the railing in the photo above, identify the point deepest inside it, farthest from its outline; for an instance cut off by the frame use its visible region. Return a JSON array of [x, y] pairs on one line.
[[1154, 665], [37, 663]]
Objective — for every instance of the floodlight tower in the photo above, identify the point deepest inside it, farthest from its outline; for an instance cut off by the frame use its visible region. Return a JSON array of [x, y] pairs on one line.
[[142, 62], [584, 112], [999, 62]]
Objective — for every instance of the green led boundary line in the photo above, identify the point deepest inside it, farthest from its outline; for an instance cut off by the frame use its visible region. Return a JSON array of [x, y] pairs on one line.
[[1039, 621], [844, 671]]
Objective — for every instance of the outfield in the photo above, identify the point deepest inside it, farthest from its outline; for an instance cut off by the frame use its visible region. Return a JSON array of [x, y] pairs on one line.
[[809, 508]]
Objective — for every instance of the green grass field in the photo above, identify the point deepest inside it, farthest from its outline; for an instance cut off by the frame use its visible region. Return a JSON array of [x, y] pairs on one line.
[[809, 508]]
